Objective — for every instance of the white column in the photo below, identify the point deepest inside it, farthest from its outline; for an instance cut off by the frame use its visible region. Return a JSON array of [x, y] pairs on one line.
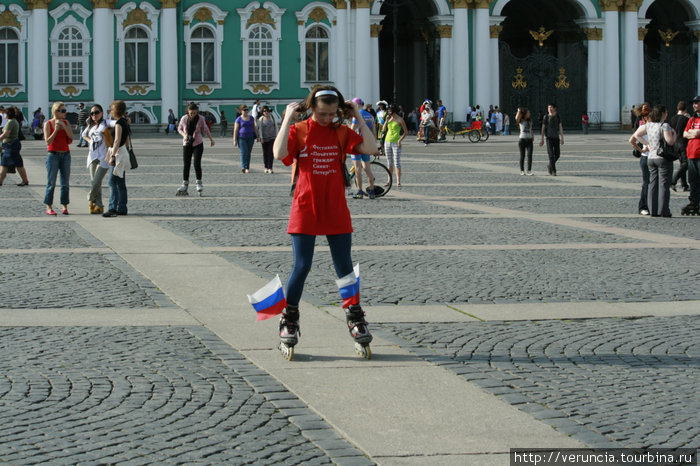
[[38, 89], [611, 52], [594, 35], [694, 26], [169, 84], [633, 84], [482, 62], [340, 36], [495, 70], [375, 29], [103, 63], [363, 55], [446, 93], [460, 79]]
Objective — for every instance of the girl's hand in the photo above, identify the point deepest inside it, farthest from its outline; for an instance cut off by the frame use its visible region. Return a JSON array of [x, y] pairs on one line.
[[292, 109]]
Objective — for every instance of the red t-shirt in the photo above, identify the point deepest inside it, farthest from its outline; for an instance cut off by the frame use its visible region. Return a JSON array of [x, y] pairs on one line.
[[319, 206], [693, 149], [61, 142]]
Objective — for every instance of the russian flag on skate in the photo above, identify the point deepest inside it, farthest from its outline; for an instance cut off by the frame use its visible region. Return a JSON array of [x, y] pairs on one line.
[[349, 287], [269, 300]]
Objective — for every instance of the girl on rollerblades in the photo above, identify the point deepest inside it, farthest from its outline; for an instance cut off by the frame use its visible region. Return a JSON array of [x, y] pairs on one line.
[[318, 146]]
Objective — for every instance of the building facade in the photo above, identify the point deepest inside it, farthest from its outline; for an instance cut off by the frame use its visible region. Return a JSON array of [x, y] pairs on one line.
[[598, 56]]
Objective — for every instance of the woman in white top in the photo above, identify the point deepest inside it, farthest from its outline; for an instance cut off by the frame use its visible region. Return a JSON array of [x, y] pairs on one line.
[[525, 143], [99, 139], [426, 122], [660, 169]]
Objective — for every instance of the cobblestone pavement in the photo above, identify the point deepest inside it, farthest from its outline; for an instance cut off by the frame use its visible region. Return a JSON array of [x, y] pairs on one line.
[[464, 229], [608, 382], [149, 395]]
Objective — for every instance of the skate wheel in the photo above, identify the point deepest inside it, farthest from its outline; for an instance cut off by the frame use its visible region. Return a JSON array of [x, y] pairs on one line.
[[363, 351], [286, 351]]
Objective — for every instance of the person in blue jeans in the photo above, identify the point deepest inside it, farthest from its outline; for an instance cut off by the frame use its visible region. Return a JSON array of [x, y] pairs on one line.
[[244, 135], [58, 136], [118, 159]]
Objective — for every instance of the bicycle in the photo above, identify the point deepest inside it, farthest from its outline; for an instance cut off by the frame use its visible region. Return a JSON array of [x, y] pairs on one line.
[[378, 170], [476, 132]]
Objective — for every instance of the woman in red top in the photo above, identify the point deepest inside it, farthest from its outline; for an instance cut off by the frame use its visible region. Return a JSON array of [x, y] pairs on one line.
[[319, 206], [58, 136]]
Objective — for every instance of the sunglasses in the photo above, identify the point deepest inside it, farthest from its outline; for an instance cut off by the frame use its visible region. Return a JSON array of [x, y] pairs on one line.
[[63, 110], [97, 112]]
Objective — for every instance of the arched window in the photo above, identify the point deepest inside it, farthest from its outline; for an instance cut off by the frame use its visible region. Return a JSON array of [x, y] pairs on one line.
[[136, 45], [9, 56], [139, 118], [260, 55], [70, 56], [202, 47], [316, 58]]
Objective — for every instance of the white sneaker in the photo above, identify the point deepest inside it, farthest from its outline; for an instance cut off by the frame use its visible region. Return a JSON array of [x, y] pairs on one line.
[[644, 212], [522, 173], [529, 173]]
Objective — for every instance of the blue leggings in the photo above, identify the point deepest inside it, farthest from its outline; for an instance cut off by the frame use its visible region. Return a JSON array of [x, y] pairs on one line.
[[303, 249]]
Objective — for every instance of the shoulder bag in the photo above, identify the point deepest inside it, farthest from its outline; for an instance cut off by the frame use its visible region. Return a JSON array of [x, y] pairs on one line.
[[667, 151]]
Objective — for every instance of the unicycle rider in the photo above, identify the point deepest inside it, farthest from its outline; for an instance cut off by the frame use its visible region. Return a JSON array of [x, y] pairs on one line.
[[319, 206]]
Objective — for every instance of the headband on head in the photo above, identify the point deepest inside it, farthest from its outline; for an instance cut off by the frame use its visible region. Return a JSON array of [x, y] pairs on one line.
[[326, 92]]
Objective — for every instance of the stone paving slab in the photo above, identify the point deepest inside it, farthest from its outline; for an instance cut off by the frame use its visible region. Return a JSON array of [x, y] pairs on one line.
[[582, 205], [153, 394], [678, 226], [409, 232], [44, 235], [608, 382], [505, 276], [74, 280]]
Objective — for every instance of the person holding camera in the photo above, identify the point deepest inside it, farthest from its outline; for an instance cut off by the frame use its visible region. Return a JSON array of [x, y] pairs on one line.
[[192, 126]]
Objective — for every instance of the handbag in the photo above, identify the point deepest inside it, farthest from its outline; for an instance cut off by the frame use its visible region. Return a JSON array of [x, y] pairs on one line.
[[133, 163], [667, 151]]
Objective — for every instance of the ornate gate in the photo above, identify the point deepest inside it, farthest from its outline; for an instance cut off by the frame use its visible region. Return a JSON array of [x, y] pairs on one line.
[[540, 78], [671, 77]]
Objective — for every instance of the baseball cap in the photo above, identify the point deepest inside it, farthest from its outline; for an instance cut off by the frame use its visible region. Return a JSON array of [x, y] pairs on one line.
[[696, 98], [358, 101]]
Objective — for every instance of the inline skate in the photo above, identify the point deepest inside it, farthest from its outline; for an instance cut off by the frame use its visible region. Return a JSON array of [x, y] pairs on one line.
[[182, 190], [200, 188], [691, 209], [289, 332], [357, 325]]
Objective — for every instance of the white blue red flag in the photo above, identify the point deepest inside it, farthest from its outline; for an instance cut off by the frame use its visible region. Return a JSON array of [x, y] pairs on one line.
[[269, 300], [349, 287]]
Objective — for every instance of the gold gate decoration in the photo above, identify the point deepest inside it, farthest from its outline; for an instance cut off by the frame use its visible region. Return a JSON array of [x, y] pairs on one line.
[[519, 82], [561, 82]]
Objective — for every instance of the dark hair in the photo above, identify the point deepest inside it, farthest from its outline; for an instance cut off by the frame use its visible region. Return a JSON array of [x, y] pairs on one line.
[[344, 111], [682, 106], [657, 113], [552, 104], [192, 106], [523, 114], [92, 122], [394, 108], [10, 113]]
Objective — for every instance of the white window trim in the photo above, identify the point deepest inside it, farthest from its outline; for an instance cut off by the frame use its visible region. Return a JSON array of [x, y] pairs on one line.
[[152, 31], [217, 27], [276, 31], [22, 16], [70, 21], [145, 106], [303, 26]]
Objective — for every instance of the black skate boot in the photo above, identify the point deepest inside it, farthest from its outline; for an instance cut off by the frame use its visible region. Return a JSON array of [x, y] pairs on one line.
[[691, 209], [289, 332], [357, 325]]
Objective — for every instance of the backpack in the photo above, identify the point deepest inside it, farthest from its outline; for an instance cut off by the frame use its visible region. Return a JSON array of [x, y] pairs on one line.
[[302, 132]]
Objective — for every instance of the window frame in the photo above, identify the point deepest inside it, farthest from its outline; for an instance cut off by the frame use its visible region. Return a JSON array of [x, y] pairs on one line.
[[70, 20], [214, 20], [124, 27], [5, 43], [316, 41], [272, 22], [307, 19]]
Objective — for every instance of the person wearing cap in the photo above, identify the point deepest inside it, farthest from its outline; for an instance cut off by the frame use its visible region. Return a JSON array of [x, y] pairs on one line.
[[692, 134], [362, 161]]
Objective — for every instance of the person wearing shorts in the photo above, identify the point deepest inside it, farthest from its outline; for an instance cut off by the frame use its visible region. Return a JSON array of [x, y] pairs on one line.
[[362, 161], [395, 130]]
